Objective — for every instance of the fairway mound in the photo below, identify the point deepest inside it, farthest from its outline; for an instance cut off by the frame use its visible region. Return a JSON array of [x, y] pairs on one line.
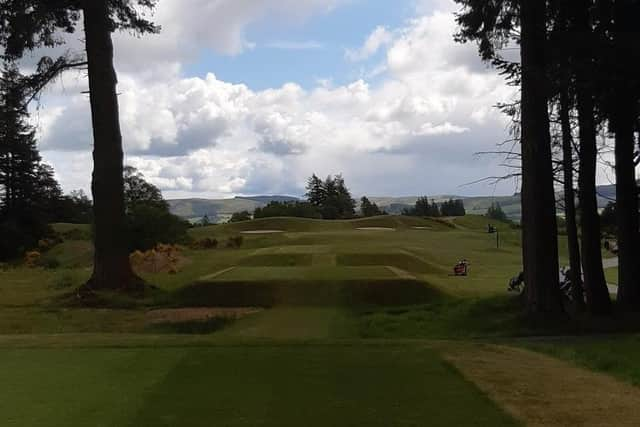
[[262, 232], [172, 315], [375, 229]]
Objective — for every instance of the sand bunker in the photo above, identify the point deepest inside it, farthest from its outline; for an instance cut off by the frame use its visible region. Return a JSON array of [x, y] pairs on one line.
[[262, 232], [376, 229], [422, 228]]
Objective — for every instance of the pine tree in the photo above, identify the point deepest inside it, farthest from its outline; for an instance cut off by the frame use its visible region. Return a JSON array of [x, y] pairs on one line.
[[28, 189], [21, 32]]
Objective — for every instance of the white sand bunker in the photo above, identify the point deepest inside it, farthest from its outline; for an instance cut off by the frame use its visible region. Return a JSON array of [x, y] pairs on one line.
[[422, 228], [376, 229], [262, 232]]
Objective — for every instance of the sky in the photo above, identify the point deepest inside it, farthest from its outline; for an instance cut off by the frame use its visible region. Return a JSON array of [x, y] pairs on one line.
[[247, 97]]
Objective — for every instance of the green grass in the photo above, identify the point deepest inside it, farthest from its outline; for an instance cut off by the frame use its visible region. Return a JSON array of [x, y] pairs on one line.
[[611, 275], [614, 355], [284, 385]]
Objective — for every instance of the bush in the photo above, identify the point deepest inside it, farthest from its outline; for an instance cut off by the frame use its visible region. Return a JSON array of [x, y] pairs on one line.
[[205, 244], [240, 217]]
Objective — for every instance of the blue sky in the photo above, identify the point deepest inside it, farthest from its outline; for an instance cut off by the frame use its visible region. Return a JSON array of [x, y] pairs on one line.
[[321, 55]]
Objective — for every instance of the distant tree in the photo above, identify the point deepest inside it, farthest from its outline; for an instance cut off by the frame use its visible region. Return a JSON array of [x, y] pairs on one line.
[[453, 208], [240, 216], [205, 221], [316, 194], [369, 209], [331, 197], [138, 190], [149, 220], [495, 212], [424, 208], [295, 209]]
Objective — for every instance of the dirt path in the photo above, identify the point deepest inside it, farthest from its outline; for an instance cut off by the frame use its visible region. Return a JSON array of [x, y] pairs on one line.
[[542, 391]]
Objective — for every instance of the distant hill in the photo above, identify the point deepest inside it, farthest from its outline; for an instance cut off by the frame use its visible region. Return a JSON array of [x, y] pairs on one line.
[[220, 210]]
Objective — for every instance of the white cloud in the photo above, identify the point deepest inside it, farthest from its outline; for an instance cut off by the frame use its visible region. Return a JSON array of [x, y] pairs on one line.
[[379, 38], [413, 132]]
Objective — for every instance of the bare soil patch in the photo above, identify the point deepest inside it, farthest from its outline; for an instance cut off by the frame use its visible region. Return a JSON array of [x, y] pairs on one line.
[[543, 391], [176, 315]]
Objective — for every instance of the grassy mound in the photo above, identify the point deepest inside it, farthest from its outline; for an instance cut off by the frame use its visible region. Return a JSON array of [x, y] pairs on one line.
[[403, 261], [291, 292]]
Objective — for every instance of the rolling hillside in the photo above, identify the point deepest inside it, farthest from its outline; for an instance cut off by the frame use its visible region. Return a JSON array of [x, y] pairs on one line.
[[219, 210]]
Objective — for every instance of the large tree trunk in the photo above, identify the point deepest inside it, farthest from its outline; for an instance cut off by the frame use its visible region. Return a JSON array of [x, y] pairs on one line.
[[623, 123], [570, 202], [595, 285], [540, 234], [112, 269]]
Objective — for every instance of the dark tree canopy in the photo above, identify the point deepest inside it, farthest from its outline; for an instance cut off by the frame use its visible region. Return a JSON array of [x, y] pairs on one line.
[[369, 209], [331, 197], [26, 25]]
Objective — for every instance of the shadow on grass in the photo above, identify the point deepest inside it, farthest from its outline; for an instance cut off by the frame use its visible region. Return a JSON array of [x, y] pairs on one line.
[[270, 293], [206, 326]]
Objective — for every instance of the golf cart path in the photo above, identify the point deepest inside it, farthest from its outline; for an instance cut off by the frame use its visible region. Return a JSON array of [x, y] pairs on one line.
[[540, 390]]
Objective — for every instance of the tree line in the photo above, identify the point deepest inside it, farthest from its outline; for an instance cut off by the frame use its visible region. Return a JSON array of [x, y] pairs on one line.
[[426, 208], [578, 80]]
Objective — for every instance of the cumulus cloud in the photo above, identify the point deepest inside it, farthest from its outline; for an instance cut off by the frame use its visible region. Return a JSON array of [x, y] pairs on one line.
[[414, 131]]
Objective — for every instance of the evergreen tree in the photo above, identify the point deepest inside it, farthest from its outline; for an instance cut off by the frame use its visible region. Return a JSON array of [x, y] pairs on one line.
[[369, 209], [331, 197], [30, 25], [495, 212], [29, 192]]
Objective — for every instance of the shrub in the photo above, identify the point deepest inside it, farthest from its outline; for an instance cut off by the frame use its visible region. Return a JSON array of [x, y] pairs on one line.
[[206, 243], [240, 217]]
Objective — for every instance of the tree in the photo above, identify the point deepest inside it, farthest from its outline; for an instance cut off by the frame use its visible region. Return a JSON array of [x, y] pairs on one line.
[[493, 26], [205, 222], [369, 209], [295, 209], [240, 217], [453, 208], [75, 208], [28, 189], [148, 218], [28, 25], [495, 212], [331, 197], [623, 60]]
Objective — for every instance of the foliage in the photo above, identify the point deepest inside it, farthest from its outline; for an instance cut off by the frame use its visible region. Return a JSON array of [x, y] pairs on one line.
[[331, 197], [423, 208], [368, 209], [240, 216], [149, 221], [495, 212], [290, 209], [453, 208], [28, 190], [75, 208]]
